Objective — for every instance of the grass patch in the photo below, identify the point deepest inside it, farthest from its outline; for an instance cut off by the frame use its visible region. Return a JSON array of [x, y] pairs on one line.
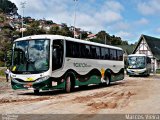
[[158, 71], [2, 73]]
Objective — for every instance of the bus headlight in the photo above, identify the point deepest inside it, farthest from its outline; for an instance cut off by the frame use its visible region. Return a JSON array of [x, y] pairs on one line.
[[42, 79]]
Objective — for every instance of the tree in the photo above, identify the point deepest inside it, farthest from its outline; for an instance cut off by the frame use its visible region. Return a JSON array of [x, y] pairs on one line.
[[1, 11], [2, 18], [5, 44], [124, 42], [83, 35], [54, 30], [8, 7], [115, 40], [34, 29], [102, 36], [65, 30], [49, 22]]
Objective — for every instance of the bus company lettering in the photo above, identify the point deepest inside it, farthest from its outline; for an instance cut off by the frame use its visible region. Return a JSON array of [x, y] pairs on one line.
[[81, 65]]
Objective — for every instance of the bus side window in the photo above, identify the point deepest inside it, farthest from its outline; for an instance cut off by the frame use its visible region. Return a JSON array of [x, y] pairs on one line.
[[106, 54], [98, 52], [57, 54], [119, 55], [113, 55], [87, 51], [73, 50], [93, 52], [103, 53]]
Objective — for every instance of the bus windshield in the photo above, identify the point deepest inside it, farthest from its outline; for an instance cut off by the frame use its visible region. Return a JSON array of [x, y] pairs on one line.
[[30, 56], [136, 62]]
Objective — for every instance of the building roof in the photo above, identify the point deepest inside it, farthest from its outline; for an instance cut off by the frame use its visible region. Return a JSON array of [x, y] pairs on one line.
[[153, 43], [91, 35]]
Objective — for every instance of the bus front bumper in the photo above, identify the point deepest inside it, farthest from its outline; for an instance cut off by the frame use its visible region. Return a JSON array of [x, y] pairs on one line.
[[136, 72], [38, 84]]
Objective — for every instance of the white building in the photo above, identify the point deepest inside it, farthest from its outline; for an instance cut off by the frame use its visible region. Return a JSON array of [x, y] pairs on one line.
[[151, 47]]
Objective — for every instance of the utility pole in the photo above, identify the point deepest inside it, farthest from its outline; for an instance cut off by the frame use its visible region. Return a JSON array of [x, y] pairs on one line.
[[23, 6], [75, 5]]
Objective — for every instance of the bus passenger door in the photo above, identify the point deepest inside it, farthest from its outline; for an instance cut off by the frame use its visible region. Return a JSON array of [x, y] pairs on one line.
[[57, 54]]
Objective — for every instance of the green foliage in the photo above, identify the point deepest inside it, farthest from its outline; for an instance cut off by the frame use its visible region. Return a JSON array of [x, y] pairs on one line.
[[158, 71], [2, 63], [34, 29], [115, 40], [63, 30], [83, 35], [2, 18], [124, 43], [49, 22], [97, 40], [2, 71], [8, 58], [5, 40], [103, 37], [8, 7], [1, 11], [54, 30]]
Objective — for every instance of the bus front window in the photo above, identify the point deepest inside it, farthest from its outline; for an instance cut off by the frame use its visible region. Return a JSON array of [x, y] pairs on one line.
[[136, 62], [30, 56]]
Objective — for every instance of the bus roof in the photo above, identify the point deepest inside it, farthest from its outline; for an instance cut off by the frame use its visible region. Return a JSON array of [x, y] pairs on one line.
[[136, 55], [66, 38]]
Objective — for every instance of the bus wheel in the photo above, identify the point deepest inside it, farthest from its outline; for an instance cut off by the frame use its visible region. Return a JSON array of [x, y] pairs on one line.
[[36, 92], [148, 75], [107, 81], [68, 84]]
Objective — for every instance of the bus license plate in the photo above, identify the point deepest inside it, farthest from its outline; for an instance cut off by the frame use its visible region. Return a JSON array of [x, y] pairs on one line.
[[54, 83], [29, 85]]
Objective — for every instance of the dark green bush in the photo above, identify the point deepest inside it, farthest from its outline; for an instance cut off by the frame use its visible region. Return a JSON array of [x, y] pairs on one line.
[[158, 71], [2, 71], [1, 64]]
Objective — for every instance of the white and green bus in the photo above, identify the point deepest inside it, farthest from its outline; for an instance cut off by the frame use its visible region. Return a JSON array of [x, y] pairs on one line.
[[46, 62], [139, 64]]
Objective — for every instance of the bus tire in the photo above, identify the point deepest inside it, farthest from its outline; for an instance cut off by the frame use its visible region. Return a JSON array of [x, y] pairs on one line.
[[36, 92], [107, 79], [148, 75], [68, 84]]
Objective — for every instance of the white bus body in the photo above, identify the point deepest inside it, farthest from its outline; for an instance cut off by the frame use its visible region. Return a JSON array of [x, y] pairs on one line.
[[45, 62]]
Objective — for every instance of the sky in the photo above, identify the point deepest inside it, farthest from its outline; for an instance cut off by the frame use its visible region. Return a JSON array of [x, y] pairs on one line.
[[127, 19]]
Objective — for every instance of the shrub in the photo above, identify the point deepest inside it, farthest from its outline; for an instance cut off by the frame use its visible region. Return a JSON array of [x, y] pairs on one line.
[[1, 64], [2, 71], [158, 71]]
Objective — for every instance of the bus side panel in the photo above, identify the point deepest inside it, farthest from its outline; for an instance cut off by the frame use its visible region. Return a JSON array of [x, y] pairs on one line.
[[90, 71]]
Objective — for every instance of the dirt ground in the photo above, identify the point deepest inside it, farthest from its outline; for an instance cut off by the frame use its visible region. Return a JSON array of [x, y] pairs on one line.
[[130, 96]]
